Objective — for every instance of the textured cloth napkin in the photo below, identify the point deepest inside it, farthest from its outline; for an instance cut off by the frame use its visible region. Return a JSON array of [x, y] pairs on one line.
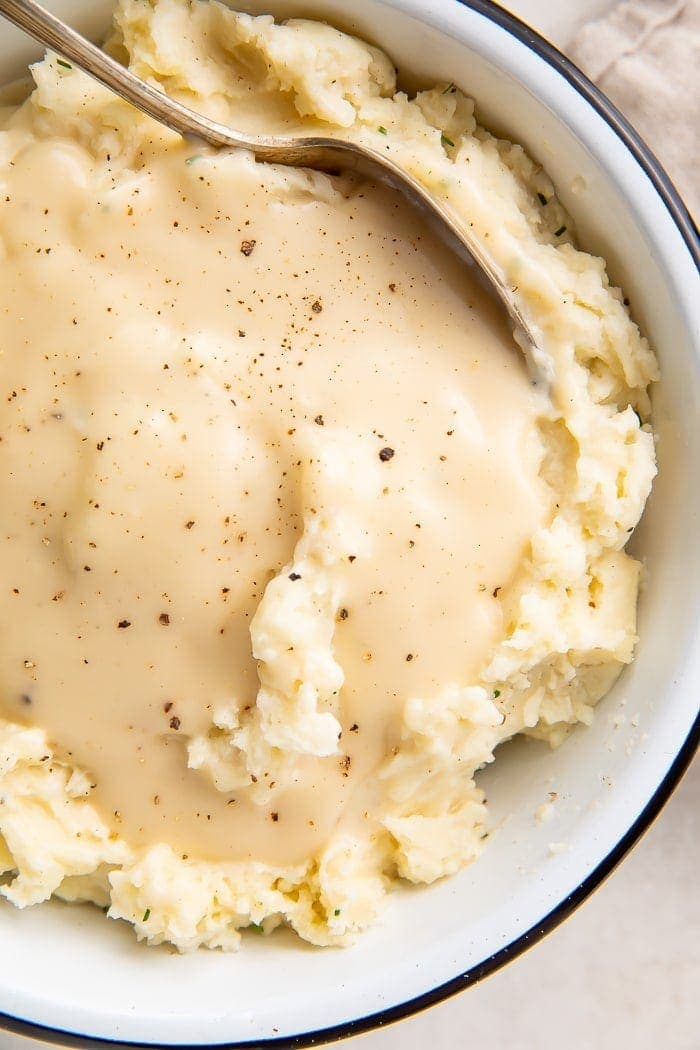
[[645, 55]]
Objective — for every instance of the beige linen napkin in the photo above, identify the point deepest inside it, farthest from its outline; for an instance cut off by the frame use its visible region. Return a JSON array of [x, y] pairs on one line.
[[645, 55]]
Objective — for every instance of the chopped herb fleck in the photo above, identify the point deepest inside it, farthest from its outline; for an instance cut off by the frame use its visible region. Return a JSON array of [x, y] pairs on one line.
[[62, 62], [542, 199], [497, 693], [558, 233], [255, 926], [337, 911], [382, 130], [450, 87], [445, 140], [146, 915]]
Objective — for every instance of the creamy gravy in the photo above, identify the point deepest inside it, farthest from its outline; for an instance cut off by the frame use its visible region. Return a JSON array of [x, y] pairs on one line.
[[171, 343]]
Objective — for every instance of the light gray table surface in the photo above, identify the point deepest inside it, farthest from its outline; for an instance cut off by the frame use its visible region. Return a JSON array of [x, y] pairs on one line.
[[624, 971]]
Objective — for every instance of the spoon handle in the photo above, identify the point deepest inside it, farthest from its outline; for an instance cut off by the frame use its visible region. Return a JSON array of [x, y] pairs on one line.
[[56, 35], [326, 154]]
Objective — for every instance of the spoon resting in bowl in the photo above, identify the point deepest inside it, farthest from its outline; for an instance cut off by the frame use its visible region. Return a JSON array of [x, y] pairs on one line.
[[328, 154]]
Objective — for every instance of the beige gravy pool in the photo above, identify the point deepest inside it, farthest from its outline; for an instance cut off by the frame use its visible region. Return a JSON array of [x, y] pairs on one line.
[[170, 346]]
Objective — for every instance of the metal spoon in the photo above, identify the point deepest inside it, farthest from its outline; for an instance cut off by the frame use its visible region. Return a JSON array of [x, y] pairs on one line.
[[325, 154]]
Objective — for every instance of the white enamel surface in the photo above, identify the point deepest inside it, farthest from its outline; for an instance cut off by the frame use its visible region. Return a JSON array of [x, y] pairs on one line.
[[72, 970]]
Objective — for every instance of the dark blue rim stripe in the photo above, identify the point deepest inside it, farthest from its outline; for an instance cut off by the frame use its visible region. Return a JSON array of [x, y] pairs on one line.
[[668, 193], [604, 107]]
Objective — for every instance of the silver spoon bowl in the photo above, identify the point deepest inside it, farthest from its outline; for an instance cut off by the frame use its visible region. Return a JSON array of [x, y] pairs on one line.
[[322, 153]]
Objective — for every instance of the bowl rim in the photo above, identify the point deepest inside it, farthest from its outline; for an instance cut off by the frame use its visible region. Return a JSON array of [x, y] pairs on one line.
[[670, 197]]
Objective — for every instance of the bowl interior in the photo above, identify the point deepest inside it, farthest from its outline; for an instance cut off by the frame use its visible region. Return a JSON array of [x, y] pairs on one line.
[[74, 971]]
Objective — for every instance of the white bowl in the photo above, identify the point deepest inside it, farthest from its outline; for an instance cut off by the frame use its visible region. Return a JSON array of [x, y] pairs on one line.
[[70, 976]]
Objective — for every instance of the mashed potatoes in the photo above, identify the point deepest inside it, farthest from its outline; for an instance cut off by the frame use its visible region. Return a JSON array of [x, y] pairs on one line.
[[290, 543]]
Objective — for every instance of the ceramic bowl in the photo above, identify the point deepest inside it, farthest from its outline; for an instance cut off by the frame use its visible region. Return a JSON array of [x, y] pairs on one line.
[[70, 976]]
